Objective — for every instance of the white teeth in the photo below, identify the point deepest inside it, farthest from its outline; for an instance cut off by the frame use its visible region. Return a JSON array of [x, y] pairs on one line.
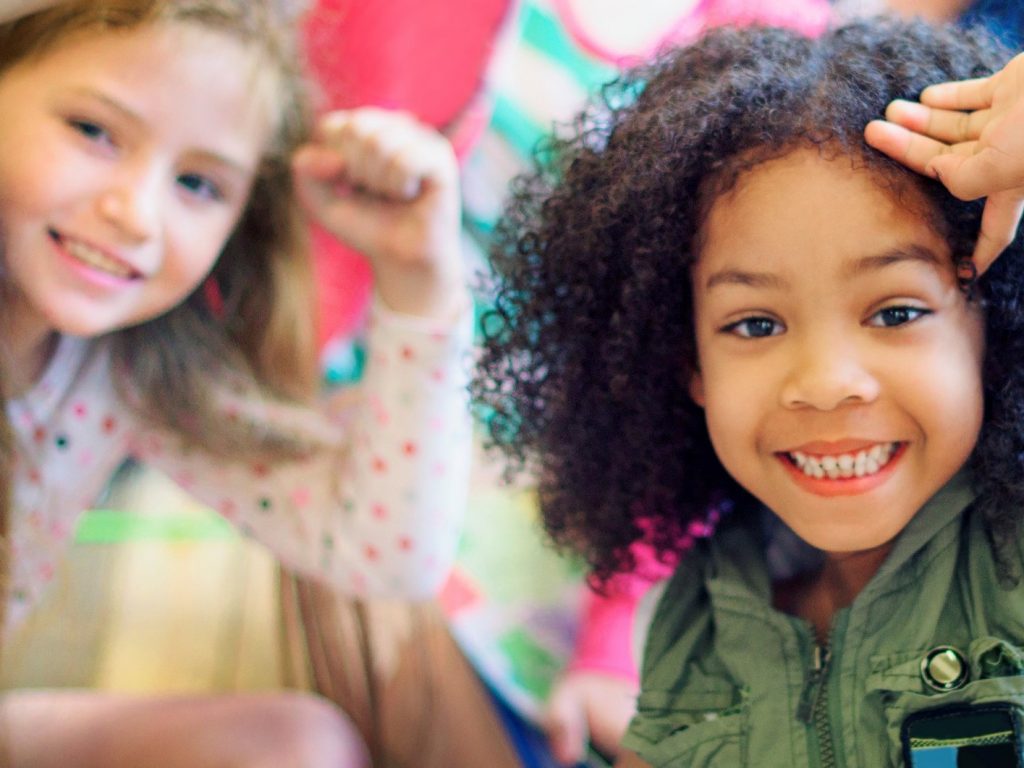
[[846, 465], [96, 259], [860, 464]]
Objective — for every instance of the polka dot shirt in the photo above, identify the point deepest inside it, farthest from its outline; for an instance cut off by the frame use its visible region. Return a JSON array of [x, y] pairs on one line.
[[379, 515]]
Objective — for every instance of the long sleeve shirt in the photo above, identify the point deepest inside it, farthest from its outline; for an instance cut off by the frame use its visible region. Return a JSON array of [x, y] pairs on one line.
[[378, 514]]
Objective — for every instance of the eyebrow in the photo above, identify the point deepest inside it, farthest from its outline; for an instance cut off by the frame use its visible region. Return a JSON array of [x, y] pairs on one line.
[[746, 278], [913, 252], [871, 263], [136, 119]]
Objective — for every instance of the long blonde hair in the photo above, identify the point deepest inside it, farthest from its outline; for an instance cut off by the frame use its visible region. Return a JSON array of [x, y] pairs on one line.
[[261, 338], [260, 342]]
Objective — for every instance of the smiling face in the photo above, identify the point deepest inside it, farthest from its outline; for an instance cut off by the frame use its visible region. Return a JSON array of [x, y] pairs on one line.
[[126, 160], [840, 364]]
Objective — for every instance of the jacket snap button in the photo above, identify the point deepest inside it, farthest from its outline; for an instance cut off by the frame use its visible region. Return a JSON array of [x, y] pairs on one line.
[[944, 669]]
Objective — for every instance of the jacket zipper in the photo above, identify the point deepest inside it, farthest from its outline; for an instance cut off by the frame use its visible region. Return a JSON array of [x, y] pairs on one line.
[[813, 708]]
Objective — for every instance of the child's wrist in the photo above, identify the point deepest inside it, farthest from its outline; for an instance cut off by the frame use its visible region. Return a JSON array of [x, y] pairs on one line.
[[430, 292]]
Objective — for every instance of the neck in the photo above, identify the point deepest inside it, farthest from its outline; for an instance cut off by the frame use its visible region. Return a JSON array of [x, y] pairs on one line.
[[818, 596]]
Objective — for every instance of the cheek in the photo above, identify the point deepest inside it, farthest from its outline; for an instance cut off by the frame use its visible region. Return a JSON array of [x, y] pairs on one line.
[[943, 389], [733, 417], [23, 190], [193, 251]]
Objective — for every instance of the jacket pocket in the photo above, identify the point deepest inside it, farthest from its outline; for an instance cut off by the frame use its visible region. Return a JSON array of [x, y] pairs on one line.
[[701, 727], [897, 687]]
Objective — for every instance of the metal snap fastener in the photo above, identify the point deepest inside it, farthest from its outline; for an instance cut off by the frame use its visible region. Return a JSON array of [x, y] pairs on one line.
[[944, 669]]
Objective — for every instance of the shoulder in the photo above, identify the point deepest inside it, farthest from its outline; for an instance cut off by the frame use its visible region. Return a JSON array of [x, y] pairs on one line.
[[677, 614]]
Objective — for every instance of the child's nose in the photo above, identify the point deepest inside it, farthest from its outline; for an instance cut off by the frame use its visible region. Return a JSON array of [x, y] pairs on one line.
[[132, 202], [826, 373]]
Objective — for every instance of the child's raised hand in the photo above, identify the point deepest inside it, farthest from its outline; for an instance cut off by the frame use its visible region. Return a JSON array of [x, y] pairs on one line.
[[588, 706], [970, 136], [387, 186]]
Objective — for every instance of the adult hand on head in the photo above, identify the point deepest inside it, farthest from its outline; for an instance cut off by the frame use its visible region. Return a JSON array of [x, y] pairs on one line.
[[588, 706], [970, 136], [388, 186]]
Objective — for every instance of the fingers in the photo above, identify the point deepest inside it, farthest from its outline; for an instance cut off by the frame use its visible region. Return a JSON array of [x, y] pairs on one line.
[[960, 95], [999, 223], [970, 172], [912, 149], [948, 126], [566, 726], [386, 154], [966, 169], [318, 162]]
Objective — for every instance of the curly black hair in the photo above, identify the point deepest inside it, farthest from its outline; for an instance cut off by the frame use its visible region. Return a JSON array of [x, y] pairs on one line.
[[590, 342]]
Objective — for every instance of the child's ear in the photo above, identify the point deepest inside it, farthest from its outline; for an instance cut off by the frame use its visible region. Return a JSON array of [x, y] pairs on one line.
[[697, 388]]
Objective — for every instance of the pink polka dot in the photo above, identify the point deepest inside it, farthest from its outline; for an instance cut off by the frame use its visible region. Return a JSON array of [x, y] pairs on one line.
[[184, 479], [371, 552], [80, 410], [34, 476], [379, 465], [60, 529], [301, 497], [109, 425], [46, 571], [86, 459], [410, 449], [39, 435], [228, 508], [437, 375], [405, 544], [407, 353], [260, 470], [379, 511]]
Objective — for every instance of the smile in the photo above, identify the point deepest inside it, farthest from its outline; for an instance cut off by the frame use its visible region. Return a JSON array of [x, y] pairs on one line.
[[95, 258], [862, 463]]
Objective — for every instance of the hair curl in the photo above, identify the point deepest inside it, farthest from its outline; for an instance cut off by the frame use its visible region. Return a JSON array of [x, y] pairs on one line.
[[590, 343]]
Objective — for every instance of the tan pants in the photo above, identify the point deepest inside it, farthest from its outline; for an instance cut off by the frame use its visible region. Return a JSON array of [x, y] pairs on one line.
[[398, 674]]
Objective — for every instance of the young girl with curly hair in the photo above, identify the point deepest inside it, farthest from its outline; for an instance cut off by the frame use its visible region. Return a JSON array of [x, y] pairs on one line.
[[156, 306], [718, 298]]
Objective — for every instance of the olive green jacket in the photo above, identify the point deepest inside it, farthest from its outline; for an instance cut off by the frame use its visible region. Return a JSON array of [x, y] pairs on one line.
[[729, 681]]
